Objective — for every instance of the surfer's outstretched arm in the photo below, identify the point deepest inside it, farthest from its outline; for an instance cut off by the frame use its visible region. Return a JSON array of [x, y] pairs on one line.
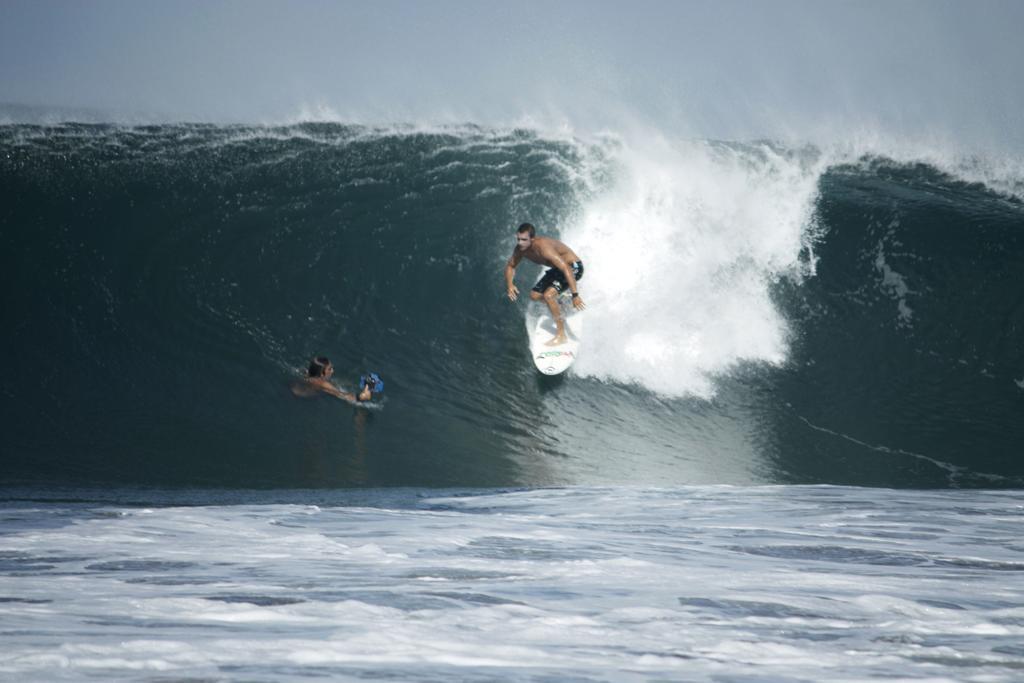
[[570, 277], [510, 271]]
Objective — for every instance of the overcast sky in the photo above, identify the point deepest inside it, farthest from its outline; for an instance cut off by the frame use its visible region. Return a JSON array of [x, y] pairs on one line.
[[727, 69]]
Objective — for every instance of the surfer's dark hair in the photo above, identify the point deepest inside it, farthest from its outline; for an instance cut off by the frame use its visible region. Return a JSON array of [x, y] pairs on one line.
[[318, 366], [527, 227]]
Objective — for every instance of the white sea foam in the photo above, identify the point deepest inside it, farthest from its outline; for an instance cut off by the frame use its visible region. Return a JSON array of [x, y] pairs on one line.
[[784, 583], [682, 246], [680, 253]]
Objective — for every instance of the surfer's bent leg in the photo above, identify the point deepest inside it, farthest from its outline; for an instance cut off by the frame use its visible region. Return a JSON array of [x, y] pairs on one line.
[[548, 288], [551, 298]]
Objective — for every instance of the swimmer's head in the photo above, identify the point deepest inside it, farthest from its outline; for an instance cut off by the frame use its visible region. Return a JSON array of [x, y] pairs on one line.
[[319, 367]]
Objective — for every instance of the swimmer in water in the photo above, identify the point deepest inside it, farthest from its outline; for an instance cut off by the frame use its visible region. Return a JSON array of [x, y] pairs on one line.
[[318, 381]]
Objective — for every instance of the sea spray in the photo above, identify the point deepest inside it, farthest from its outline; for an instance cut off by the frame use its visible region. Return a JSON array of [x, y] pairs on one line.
[[680, 255]]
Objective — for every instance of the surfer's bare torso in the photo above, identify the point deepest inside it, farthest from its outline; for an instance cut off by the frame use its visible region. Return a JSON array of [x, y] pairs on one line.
[[547, 251]]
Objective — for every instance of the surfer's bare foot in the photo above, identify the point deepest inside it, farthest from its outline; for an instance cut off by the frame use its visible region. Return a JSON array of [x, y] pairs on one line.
[[557, 341]]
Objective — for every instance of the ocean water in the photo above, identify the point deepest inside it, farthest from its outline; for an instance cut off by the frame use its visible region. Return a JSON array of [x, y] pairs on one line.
[[710, 583], [789, 451], [757, 314]]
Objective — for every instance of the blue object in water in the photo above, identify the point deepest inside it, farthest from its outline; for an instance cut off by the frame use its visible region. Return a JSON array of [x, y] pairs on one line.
[[374, 380]]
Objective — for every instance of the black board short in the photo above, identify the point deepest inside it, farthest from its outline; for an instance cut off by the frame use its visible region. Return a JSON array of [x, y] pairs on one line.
[[553, 277]]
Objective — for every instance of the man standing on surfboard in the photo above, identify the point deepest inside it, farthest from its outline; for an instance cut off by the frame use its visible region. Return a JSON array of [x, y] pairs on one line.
[[564, 270]]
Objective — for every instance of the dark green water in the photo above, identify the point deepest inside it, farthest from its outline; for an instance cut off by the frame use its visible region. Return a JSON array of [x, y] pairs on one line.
[[163, 285]]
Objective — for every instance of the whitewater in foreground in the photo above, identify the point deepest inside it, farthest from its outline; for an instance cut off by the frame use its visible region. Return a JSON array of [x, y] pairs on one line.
[[579, 584]]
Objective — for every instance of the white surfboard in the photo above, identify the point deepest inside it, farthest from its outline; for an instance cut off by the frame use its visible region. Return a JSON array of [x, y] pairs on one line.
[[554, 360]]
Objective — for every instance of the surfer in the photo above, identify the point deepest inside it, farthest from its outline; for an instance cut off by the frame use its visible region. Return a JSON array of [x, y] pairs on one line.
[[564, 270], [318, 380]]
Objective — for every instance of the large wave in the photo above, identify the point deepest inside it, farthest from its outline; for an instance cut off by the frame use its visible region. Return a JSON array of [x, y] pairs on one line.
[[757, 312]]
